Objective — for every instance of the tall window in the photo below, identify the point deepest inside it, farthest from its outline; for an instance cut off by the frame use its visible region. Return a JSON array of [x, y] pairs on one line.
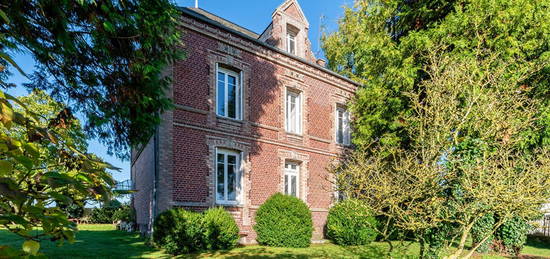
[[291, 42], [229, 94], [228, 176], [292, 171], [343, 134], [293, 112]]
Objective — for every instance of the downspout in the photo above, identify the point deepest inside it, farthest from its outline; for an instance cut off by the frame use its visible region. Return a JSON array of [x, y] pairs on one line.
[[155, 179]]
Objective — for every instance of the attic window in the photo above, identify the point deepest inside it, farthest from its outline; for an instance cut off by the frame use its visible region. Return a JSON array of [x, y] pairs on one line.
[[291, 33]]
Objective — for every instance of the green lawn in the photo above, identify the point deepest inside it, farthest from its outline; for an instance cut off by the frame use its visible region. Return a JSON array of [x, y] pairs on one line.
[[103, 241]]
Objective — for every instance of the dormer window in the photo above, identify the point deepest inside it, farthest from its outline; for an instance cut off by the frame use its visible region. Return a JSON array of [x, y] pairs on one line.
[[291, 34]]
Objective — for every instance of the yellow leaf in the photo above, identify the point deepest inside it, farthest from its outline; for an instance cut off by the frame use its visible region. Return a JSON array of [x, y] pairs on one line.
[[5, 167], [7, 113], [31, 247]]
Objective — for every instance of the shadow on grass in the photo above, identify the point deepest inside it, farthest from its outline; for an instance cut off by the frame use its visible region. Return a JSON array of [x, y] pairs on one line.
[[91, 244]]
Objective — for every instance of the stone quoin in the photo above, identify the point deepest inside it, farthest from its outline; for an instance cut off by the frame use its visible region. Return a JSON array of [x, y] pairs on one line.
[[255, 114]]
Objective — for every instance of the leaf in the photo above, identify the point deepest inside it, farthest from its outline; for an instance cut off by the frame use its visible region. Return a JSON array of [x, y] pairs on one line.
[[108, 26], [25, 161], [5, 167], [32, 150], [7, 113], [10, 60], [31, 247], [4, 16]]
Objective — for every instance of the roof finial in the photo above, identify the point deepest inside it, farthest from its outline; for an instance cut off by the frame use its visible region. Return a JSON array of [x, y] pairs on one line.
[[196, 3]]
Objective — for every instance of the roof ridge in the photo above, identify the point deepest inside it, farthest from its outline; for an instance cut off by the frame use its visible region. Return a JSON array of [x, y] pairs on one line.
[[223, 20]]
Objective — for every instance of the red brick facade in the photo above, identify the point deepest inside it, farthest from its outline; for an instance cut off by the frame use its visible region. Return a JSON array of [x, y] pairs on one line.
[[178, 167]]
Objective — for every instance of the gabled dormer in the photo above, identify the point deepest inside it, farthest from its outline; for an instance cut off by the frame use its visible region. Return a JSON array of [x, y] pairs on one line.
[[289, 30]]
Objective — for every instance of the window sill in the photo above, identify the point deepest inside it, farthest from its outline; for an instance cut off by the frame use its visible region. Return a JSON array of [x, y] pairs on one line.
[[229, 204], [344, 145], [295, 135]]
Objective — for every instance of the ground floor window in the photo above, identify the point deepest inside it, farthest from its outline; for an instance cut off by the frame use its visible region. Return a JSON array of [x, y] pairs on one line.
[[228, 176], [292, 171]]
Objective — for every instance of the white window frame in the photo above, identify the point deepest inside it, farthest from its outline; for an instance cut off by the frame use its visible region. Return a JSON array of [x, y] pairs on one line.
[[291, 41], [345, 129], [298, 116], [239, 93], [287, 185], [238, 172]]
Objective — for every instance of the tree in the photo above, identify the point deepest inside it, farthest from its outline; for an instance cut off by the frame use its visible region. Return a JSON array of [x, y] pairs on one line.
[[105, 57], [451, 123], [44, 168]]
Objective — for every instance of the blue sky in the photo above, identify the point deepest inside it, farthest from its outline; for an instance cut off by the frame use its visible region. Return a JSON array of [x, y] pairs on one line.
[[254, 15]]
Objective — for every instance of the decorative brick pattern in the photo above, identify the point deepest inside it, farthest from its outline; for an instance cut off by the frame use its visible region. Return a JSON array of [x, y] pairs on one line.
[[190, 134]]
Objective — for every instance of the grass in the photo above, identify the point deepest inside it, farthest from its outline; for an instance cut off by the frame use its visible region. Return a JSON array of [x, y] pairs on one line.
[[103, 241], [93, 241]]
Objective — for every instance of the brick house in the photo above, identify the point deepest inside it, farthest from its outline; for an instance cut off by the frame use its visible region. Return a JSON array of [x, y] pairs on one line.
[[255, 114]]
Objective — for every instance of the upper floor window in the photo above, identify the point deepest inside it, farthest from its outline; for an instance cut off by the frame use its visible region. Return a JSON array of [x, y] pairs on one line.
[[228, 176], [229, 94], [292, 171], [343, 134], [291, 34], [293, 112]]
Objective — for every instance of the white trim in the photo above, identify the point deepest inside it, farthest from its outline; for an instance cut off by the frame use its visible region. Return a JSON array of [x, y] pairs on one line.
[[238, 93], [291, 172], [345, 130], [297, 120], [238, 176]]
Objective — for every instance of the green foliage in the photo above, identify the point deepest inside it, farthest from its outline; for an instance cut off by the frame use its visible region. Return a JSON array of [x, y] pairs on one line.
[[284, 221], [453, 110], [106, 213], [187, 234], [482, 228], [164, 225], [125, 213], [220, 229], [512, 235], [45, 168], [107, 57], [350, 222], [180, 231]]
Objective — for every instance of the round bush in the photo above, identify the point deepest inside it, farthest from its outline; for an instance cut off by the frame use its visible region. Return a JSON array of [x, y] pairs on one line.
[[219, 229], [164, 226], [513, 234], [350, 223], [188, 234], [179, 231], [284, 221]]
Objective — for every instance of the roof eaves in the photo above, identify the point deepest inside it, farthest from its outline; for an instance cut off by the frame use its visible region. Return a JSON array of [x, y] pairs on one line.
[[198, 16]]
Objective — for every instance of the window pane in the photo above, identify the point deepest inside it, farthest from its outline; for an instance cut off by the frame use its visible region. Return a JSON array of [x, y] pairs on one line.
[[286, 184], [231, 80], [340, 127], [231, 182], [220, 178], [231, 98], [221, 95], [293, 185]]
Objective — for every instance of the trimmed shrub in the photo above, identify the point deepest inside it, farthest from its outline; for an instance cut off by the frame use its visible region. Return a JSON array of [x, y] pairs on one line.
[[164, 226], [482, 228], [187, 234], [284, 221], [512, 235], [219, 229], [350, 222], [179, 231]]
